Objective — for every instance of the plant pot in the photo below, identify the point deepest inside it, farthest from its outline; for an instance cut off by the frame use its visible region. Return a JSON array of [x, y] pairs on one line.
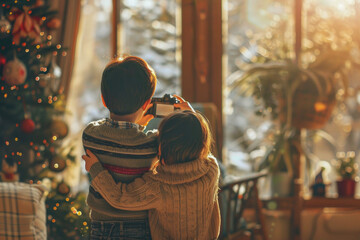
[[309, 109], [281, 184], [346, 187]]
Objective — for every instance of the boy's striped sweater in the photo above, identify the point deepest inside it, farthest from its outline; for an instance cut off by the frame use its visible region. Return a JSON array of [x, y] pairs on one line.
[[127, 152]]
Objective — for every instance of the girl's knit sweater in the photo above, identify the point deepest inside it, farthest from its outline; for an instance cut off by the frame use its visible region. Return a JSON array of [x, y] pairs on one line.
[[181, 198]]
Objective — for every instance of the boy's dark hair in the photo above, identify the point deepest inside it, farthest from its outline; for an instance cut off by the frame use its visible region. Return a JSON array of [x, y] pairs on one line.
[[127, 84], [184, 137]]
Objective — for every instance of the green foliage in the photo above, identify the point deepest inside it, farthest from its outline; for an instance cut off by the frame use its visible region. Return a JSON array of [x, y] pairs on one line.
[[68, 217]]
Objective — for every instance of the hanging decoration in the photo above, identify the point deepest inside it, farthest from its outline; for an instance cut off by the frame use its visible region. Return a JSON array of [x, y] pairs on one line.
[[5, 25], [14, 72], [57, 164], [26, 26], [27, 125], [63, 188], [55, 73], [53, 23], [50, 80], [59, 128], [2, 61], [9, 171]]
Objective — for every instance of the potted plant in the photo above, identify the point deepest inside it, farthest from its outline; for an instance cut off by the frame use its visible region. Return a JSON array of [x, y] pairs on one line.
[[347, 169], [296, 97]]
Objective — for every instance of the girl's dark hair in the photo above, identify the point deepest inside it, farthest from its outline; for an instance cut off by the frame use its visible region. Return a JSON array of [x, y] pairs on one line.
[[127, 84], [184, 137]]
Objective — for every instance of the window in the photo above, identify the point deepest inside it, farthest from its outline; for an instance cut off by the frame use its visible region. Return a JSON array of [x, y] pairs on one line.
[[147, 29], [255, 28]]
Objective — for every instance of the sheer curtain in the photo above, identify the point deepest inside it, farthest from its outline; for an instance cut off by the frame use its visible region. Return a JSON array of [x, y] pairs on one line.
[[92, 54]]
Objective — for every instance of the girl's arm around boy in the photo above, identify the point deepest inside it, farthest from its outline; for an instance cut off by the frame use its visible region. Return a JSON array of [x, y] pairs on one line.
[[141, 194]]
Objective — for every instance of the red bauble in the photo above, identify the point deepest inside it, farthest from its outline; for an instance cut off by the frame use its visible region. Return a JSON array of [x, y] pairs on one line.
[[2, 61], [27, 126]]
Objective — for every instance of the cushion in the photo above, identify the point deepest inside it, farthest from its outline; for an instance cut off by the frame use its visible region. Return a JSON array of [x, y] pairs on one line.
[[22, 211]]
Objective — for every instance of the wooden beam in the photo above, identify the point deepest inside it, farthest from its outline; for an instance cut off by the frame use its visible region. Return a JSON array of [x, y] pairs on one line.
[[114, 22], [187, 51], [202, 51]]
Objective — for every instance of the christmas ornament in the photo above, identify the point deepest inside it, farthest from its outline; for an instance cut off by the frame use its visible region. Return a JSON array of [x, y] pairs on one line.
[[14, 72], [63, 188], [44, 80], [51, 80], [26, 26], [2, 61], [57, 164], [27, 126], [39, 3], [59, 128], [5, 27], [9, 170], [55, 73], [53, 23]]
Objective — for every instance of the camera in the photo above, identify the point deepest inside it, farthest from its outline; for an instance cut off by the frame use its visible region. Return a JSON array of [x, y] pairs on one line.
[[163, 106]]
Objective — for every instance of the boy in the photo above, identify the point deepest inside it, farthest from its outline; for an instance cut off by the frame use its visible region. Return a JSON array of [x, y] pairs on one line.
[[127, 87]]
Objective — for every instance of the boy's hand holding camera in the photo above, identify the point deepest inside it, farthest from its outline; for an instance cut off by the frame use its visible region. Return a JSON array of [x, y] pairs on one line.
[[161, 107]]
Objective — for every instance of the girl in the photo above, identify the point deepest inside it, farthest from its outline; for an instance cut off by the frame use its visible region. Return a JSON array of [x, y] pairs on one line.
[[181, 192]]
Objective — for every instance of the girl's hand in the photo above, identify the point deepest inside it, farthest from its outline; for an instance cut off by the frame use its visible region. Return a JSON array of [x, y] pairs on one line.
[[145, 119], [90, 159], [183, 105]]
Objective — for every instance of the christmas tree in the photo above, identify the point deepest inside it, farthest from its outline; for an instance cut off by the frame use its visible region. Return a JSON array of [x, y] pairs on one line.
[[32, 110]]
